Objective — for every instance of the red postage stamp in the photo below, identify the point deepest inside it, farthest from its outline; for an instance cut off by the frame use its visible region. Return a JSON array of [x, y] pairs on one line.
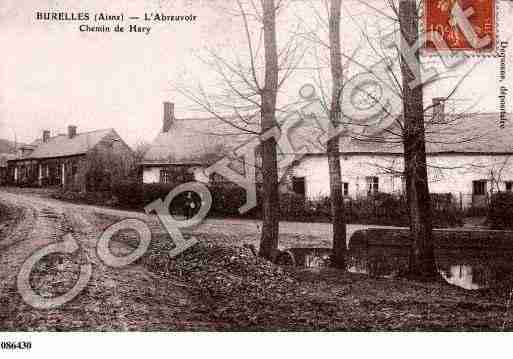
[[464, 25]]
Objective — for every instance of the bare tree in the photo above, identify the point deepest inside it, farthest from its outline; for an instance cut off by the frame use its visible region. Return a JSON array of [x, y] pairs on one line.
[[422, 258], [270, 202], [405, 123], [496, 174], [414, 127], [248, 99], [140, 150], [407, 126], [333, 145]]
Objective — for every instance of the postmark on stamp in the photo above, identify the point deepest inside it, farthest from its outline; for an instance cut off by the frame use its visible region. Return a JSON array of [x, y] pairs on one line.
[[464, 25]]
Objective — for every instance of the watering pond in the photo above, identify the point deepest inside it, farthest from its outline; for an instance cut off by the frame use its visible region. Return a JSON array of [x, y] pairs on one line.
[[468, 259]]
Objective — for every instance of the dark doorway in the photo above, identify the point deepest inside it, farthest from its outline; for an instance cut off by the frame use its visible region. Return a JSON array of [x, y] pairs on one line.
[[299, 185]]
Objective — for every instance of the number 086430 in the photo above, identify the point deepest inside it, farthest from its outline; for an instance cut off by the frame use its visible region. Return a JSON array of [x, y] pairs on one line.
[[15, 345]]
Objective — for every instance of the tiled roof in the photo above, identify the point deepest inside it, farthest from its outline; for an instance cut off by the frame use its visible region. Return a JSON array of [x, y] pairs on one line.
[[206, 140], [62, 145], [195, 141], [472, 133]]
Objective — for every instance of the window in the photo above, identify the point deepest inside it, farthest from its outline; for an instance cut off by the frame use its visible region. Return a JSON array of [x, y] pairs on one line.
[[509, 186], [164, 176], [176, 175], [345, 188], [479, 188], [74, 168], [299, 185], [372, 185]]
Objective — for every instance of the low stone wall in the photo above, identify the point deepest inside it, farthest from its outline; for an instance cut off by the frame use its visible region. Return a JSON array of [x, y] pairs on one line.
[[443, 238]]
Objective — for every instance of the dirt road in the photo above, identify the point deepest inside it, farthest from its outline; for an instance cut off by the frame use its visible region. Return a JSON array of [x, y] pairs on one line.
[[114, 299], [131, 298]]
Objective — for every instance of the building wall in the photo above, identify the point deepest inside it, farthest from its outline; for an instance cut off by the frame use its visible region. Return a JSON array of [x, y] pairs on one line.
[[71, 172], [107, 163], [48, 172], [151, 174], [23, 172], [447, 174], [355, 169], [112, 144]]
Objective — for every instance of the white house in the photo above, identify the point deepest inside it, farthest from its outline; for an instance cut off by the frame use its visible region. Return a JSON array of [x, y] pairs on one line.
[[469, 156]]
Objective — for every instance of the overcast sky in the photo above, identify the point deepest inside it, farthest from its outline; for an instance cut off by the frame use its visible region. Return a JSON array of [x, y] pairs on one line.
[[52, 75]]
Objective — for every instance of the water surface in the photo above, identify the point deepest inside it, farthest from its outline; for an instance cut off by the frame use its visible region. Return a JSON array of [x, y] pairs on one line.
[[467, 268]]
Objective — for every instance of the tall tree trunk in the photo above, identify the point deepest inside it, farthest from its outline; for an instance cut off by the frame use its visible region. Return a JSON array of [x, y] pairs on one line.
[[336, 194], [270, 203], [422, 261]]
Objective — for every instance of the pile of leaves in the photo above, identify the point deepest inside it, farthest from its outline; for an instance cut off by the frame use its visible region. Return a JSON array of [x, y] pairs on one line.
[[232, 289], [237, 289]]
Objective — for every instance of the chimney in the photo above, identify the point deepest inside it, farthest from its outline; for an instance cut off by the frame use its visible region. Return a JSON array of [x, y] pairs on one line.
[[72, 131], [438, 109], [46, 136], [169, 116]]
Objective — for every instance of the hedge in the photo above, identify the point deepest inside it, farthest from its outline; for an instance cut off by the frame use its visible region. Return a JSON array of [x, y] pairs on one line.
[[442, 238], [128, 193], [500, 213], [381, 208]]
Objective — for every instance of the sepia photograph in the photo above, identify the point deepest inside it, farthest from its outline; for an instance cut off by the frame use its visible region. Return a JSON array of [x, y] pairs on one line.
[[234, 168]]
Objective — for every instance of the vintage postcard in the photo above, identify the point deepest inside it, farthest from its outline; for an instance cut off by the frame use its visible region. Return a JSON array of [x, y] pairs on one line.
[[254, 166]]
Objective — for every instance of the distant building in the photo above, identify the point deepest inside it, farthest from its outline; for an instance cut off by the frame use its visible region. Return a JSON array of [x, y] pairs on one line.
[[66, 159], [4, 157], [469, 156]]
